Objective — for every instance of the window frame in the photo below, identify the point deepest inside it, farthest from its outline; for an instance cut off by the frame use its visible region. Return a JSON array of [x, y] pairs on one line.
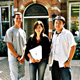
[[75, 19], [4, 21]]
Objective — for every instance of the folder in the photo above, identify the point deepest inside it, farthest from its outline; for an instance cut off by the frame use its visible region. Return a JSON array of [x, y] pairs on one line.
[[36, 52]]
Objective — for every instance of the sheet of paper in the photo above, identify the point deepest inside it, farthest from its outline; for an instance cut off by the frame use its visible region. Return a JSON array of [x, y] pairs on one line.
[[36, 52]]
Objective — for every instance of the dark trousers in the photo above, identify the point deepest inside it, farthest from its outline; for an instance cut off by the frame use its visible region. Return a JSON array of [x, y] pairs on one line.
[[60, 73]]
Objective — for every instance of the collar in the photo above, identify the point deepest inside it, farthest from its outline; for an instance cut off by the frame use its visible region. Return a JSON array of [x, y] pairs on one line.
[[61, 31]]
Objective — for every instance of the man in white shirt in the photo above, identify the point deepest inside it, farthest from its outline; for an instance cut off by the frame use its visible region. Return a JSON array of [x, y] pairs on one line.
[[15, 39], [63, 48]]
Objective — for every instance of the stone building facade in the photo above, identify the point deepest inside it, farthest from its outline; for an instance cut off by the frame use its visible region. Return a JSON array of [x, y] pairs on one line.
[[53, 8], [44, 10]]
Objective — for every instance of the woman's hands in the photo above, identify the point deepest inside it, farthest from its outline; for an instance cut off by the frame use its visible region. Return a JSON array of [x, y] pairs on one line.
[[38, 60], [34, 61]]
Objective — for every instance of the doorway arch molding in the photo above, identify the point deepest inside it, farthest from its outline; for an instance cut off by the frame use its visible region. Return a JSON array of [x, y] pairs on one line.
[[49, 10], [35, 10]]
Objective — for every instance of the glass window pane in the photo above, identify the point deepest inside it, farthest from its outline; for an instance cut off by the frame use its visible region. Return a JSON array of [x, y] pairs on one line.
[[75, 12], [36, 10], [4, 14], [5, 26], [75, 28]]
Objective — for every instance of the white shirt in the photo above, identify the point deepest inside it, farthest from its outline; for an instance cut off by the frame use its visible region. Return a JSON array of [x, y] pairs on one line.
[[61, 46], [18, 38]]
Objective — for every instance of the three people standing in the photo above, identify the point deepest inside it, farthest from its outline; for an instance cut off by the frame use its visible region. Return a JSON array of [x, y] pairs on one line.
[[63, 48]]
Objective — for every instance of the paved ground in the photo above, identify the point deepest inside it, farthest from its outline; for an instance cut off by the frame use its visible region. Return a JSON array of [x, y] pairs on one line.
[[4, 70]]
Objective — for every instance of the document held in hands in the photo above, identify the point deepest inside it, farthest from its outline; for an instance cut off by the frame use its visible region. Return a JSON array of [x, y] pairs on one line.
[[36, 52]]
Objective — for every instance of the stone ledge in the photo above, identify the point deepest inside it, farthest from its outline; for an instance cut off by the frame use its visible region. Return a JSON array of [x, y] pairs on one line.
[[75, 63], [2, 58]]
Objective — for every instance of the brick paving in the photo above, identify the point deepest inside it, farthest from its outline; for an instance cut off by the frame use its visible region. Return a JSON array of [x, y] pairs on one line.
[[5, 75]]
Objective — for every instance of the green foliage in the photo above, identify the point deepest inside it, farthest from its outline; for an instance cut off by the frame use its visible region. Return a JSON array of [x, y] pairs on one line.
[[3, 48], [77, 52], [74, 28]]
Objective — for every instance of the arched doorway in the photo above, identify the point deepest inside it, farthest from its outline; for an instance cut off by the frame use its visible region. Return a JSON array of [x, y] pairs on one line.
[[33, 13]]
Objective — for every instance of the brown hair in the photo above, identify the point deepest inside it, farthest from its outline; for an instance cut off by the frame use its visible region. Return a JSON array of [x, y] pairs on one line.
[[38, 23], [35, 26]]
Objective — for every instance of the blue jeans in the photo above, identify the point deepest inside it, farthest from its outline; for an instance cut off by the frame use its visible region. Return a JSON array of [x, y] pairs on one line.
[[60, 73], [41, 66]]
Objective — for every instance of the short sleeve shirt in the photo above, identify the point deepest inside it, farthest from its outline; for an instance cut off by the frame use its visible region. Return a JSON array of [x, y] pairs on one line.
[[61, 46], [18, 38]]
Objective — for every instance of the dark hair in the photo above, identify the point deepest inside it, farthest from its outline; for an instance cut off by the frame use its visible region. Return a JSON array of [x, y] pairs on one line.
[[35, 26], [58, 19], [17, 13]]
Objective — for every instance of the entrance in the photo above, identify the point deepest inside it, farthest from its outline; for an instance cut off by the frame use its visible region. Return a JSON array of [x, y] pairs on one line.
[[32, 13], [45, 21]]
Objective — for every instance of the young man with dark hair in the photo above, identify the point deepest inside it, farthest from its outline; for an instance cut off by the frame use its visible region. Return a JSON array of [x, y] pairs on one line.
[[62, 52], [15, 39]]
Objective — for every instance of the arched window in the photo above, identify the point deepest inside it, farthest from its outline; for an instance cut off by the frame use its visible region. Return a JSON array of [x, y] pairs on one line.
[[36, 10]]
